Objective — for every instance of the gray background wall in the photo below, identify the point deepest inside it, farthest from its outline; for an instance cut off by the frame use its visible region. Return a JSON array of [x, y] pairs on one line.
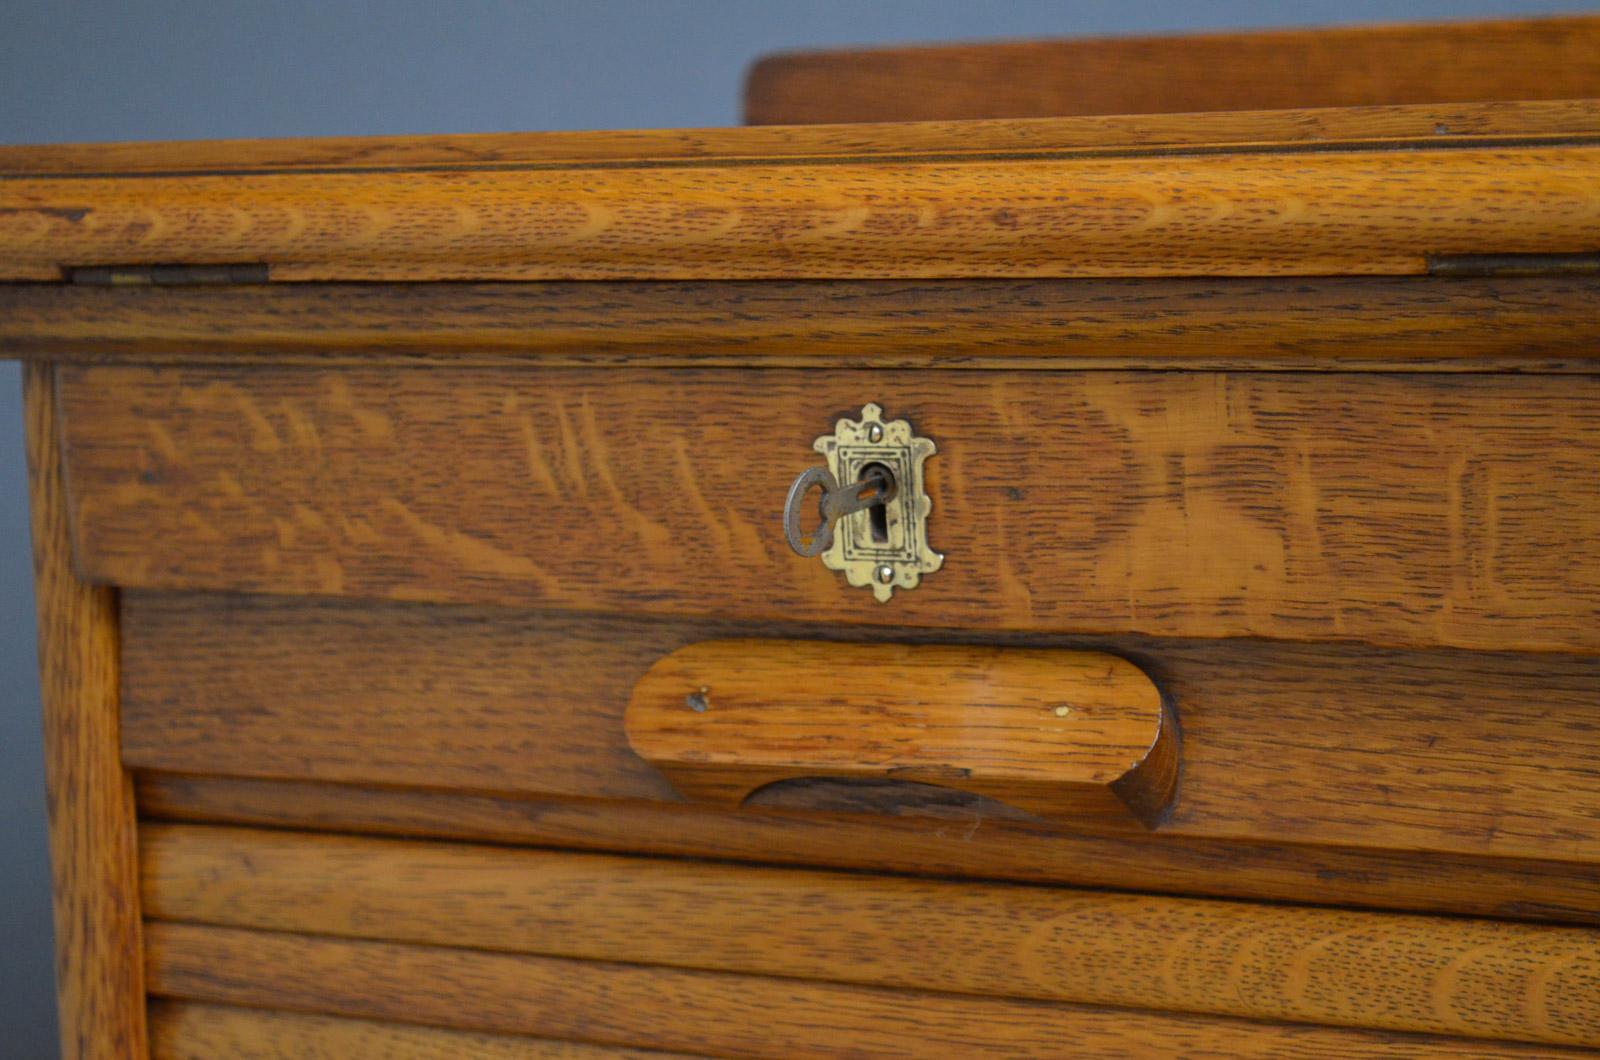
[[170, 69]]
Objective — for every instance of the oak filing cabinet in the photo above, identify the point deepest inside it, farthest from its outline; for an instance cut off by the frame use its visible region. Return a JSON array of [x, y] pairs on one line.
[[984, 583]]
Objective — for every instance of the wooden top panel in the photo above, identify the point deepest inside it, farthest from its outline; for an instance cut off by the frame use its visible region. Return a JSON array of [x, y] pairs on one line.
[[1152, 132], [1376, 192], [1545, 58]]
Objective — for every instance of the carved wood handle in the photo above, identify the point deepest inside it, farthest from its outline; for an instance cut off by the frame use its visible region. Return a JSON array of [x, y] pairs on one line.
[[1065, 734]]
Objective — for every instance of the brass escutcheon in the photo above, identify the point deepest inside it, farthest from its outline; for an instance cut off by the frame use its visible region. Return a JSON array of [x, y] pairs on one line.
[[874, 529]]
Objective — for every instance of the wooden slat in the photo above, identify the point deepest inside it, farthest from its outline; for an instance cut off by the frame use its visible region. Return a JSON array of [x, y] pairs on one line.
[[1339, 208], [1474, 978], [183, 1031], [964, 841], [714, 1013], [1451, 751], [1546, 323], [1547, 58], [1446, 123], [99, 967], [1403, 510], [1068, 734]]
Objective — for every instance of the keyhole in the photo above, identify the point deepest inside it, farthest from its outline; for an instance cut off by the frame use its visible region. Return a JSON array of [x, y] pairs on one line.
[[878, 514]]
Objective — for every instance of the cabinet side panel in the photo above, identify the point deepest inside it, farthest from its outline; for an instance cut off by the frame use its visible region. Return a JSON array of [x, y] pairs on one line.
[[93, 850]]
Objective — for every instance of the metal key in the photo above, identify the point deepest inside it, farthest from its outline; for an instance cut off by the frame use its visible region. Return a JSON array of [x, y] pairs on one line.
[[876, 486]]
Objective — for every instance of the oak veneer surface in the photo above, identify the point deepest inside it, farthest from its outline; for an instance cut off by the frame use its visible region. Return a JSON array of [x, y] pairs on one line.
[[1407, 510], [1546, 323], [890, 831], [1441, 975], [712, 1012], [919, 206], [1341, 66], [94, 878], [181, 1031], [1466, 753]]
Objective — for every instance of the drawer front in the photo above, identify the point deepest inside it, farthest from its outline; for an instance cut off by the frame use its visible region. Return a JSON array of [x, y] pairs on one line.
[[1399, 510], [1451, 752]]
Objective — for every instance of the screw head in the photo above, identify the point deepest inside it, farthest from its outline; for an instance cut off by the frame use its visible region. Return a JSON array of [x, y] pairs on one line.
[[698, 701], [875, 433], [1063, 711], [885, 573]]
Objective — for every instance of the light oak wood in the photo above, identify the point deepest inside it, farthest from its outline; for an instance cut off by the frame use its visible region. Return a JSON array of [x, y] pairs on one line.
[[1448, 975], [99, 964], [1441, 123], [1336, 66], [425, 538], [1399, 510], [181, 1031], [1451, 751], [1475, 978], [1341, 207], [1530, 324], [711, 1012], [962, 840], [1067, 734]]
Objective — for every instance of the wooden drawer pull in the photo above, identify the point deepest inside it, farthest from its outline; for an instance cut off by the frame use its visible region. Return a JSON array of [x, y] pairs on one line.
[[1057, 733]]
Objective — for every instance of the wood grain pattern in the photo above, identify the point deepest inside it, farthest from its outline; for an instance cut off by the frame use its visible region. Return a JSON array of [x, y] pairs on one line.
[[965, 842], [1400, 510], [1474, 978], [182, 1031], [1543, 324], [1439, 122], [710, 1012], [1444, 751], [1068, 734], [99, 964], [1336, 210], [1546, 58]]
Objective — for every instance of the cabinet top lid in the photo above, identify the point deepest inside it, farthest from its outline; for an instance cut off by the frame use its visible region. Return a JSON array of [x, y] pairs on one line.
[[1362, 190]]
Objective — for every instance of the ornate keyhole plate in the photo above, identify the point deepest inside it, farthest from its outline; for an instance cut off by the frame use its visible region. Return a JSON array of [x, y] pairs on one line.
[[886, 549]]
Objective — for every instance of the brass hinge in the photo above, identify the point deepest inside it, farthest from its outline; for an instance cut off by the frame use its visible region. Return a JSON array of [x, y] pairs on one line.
[[163, 275]]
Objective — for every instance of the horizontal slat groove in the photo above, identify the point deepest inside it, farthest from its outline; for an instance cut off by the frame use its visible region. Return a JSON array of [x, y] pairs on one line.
[[1355, 323], [959, 844], [1400, 972], [189, 1031], [711, 1012]]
